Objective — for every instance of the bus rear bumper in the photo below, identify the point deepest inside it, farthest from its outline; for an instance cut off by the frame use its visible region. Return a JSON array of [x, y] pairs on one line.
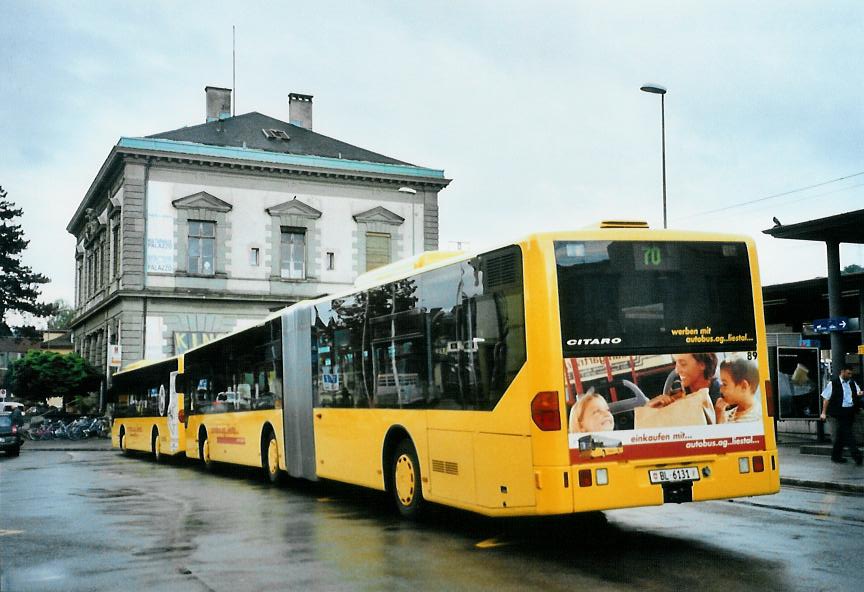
[[602, 486]]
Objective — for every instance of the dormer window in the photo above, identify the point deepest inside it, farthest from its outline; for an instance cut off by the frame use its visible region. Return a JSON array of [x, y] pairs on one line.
[[276, 134]]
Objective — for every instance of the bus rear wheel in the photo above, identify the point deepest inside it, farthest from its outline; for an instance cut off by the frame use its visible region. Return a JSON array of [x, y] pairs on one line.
[[156, 447], [204, 452], [270, 457], [405, 484]]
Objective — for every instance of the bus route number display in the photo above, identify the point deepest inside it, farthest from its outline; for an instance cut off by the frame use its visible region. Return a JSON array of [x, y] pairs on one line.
[[654, 257]]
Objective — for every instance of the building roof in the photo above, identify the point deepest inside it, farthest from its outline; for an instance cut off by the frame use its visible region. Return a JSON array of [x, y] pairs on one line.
[[842, 228], [241, 141], [60, 342], [247, 131], [17, 344]]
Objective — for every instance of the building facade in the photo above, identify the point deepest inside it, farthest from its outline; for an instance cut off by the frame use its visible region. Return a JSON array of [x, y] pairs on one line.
[[196, 232]]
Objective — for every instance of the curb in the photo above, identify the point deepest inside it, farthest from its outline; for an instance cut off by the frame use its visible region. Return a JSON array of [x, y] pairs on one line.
[[824, 485], [817, 449], [75, 449]]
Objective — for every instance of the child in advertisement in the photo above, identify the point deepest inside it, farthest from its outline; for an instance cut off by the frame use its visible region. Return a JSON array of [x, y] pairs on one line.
[[591, 414], [739, 380]]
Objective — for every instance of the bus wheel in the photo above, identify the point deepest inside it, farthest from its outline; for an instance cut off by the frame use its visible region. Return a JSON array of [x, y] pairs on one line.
[[405, 485], [156, 447], [204, 452], [270, 461]]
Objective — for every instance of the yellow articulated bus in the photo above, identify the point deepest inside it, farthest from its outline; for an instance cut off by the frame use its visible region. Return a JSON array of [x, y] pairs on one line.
[[148, 410], [235, 403], [565, 372]]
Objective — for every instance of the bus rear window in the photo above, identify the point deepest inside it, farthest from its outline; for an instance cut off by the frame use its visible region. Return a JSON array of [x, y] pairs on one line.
[[655, 296]]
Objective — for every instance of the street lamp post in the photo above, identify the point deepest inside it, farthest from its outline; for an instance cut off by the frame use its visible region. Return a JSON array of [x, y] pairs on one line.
[[660, 90]]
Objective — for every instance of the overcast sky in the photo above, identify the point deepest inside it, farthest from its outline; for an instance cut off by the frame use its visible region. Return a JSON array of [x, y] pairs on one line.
[[532, 108]]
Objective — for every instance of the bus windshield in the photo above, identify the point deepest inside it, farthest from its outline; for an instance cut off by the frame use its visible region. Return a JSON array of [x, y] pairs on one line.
[[618, 296]]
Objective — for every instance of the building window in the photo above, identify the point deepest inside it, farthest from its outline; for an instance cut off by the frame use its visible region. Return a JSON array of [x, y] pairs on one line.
[[79, 275], [202, 247], [293, 253], [254, 257], [377, 250], [331, 261], [115, 246]]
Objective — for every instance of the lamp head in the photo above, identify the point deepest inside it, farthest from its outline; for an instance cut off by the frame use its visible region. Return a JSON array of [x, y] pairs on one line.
[[653, 88]]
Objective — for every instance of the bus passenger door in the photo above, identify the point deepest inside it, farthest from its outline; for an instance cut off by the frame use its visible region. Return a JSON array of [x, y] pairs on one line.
[[173, 414]]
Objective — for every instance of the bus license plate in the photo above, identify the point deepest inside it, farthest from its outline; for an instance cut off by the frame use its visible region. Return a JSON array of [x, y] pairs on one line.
[[672, 475]]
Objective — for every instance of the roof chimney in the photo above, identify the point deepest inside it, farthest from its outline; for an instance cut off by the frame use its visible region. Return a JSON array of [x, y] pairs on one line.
[[218, 103], [300, 110]]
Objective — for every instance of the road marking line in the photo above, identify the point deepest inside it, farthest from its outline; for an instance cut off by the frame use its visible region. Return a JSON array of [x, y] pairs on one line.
[[827, 503], [10, 532], [491, 543]]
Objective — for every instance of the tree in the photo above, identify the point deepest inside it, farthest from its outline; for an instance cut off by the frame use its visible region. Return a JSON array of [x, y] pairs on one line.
[[19, 286], [63, 315], [854, 268], [42, 374]]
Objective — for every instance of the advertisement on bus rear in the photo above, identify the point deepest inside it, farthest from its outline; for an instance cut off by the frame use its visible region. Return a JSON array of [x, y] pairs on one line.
[[663, 405], [659, 345]]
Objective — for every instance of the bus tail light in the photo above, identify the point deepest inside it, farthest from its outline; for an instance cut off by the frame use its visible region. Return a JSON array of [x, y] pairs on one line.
[[584, 477], [758, 464], [181, 416], [14, 429], [545, 412]]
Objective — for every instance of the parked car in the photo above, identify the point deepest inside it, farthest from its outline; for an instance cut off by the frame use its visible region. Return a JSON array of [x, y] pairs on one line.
[[10, 435], [8, 406]]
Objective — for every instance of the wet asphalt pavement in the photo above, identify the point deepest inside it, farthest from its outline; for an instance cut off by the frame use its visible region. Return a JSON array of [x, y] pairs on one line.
[[95, 520]]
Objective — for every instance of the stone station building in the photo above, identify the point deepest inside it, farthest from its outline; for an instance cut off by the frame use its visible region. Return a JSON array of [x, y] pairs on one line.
[[196, 232]]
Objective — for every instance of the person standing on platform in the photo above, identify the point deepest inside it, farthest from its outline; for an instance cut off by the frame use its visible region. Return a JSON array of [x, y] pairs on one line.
[[841, 400]]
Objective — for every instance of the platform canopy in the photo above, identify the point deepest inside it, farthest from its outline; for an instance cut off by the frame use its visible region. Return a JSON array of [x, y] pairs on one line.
[[842, 228]]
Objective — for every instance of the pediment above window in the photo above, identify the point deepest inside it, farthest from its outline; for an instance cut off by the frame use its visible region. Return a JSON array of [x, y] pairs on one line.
[[381, 215], [202, 200], [295, 207]]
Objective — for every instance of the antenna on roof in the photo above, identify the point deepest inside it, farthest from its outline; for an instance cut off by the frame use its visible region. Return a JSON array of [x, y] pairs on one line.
[[234, 70]]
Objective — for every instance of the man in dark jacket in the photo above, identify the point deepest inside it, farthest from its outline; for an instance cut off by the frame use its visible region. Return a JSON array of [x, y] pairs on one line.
[[17, 417], [841, 399]]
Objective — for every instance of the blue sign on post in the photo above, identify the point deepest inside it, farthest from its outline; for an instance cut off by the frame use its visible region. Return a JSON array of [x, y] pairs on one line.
[[830, 325]]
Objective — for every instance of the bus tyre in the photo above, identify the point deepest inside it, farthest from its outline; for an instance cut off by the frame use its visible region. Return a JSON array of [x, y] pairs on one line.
[[270, 457], [405, 483], [156, 447], [14, 451], [204, 452]]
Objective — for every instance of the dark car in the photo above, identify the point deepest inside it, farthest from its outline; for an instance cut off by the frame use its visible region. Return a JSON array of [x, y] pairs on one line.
[[10, 435]]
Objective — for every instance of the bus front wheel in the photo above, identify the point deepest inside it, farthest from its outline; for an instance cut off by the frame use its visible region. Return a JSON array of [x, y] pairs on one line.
[[270, 458], [405, 484]]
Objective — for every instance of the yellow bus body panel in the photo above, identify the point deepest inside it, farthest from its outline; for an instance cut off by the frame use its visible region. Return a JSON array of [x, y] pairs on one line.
[[139, 432], [235, 436]]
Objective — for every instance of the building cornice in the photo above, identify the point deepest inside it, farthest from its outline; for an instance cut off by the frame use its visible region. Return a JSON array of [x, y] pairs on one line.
[[303, 161], [247, 159]]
